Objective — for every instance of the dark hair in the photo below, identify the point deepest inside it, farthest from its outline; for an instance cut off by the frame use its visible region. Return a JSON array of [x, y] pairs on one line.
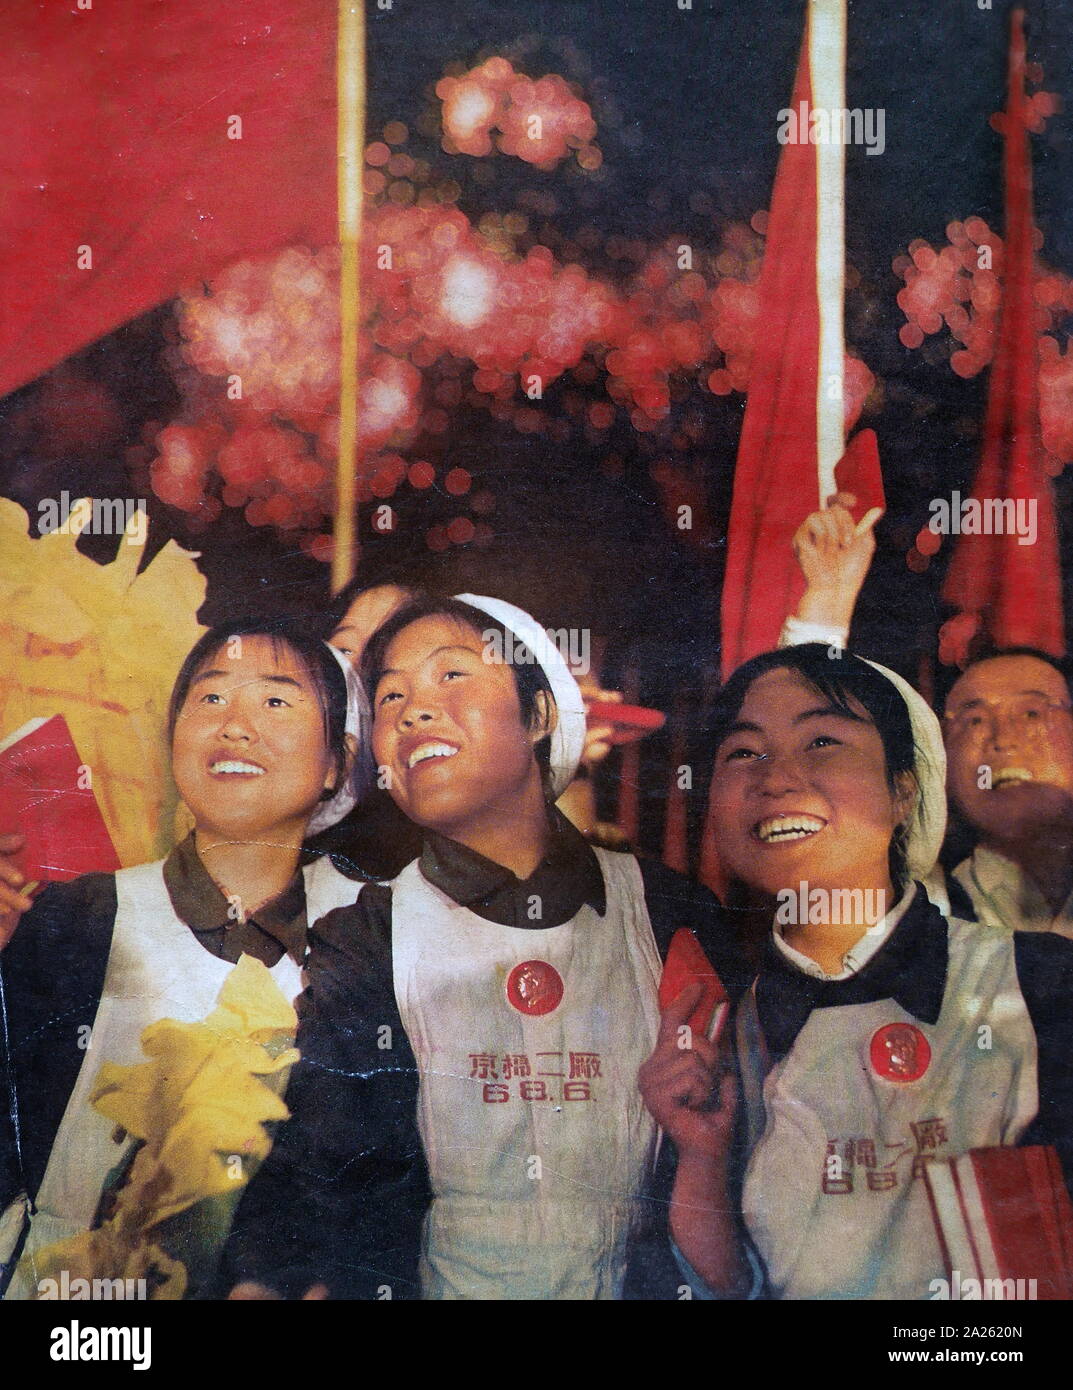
[[314, 657], [349, 593], [1060, 664], [529, 677], [839, 681]]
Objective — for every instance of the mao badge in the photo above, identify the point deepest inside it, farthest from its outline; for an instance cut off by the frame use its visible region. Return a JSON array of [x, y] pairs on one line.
[[534, 988], [899, 1052]]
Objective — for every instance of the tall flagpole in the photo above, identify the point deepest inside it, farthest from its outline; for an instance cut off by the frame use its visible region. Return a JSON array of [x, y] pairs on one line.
[[827, 74], [350, 77]]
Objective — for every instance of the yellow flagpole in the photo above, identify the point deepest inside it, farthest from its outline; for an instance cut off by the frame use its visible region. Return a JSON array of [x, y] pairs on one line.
[[350, 83], [827, 74]]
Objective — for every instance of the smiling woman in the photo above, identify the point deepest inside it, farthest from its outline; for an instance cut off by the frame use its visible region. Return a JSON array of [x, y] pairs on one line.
[[815, 773], [440, 688], [250, 703], [465, 1119], [878, 1033], [266, 726]]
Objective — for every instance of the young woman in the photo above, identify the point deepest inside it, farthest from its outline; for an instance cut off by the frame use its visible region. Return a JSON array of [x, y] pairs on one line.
[[465, 1118], [266, 727], [878, 1033]]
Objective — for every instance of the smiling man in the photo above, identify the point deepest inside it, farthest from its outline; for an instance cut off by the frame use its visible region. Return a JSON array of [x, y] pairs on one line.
[[1008, 726]]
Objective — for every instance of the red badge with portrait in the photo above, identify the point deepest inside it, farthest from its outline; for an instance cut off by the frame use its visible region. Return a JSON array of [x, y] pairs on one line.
[[900, 1052], [534, 988]]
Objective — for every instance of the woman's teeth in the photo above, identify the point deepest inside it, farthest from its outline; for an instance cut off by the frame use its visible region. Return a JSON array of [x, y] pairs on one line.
[[1006, 776], [778, 829], [235, 765], [430, 750]]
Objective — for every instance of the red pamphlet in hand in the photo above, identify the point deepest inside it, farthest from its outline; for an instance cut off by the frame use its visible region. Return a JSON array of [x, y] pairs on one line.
[[687, 964], [630, 722], [44, 796], [858, 471]]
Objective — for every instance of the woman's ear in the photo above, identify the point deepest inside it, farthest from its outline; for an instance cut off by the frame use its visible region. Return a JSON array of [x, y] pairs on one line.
[[906, 796], [333, 780], [547, 717]]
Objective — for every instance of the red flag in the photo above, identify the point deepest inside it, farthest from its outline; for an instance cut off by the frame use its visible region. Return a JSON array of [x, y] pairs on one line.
[[127, 176], [1012, 590], [775, 478]]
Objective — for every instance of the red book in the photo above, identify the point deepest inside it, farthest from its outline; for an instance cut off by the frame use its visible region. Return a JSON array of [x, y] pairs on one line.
[[686, 964], [45, 797], [858, 471], [1001, 1215]]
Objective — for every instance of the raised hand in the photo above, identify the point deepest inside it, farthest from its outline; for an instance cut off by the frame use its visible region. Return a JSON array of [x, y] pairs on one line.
[[598, 736], [834, 553], [685, 1087]]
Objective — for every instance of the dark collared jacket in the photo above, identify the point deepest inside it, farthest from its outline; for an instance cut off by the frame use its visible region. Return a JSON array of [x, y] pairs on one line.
[[53, 970], [342, 1197]]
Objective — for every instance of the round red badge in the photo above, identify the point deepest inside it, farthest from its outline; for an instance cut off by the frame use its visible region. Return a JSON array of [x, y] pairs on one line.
[[534, 988], [900, 1052]]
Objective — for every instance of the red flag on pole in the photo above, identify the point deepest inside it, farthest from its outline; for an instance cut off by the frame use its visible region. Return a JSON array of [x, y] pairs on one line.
[[793, 432], [148, 143], [775, 480], [1013, 590], [794, 427]]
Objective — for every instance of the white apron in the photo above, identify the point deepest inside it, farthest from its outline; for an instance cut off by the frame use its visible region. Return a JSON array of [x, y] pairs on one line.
[[535, 1133], [156, 969], [861, 1227]]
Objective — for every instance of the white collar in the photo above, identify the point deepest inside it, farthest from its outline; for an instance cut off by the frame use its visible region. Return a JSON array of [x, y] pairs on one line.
[[1012, 896], [859, 954]]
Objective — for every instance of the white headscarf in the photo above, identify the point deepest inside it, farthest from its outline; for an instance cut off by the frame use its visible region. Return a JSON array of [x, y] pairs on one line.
[[358, 723], [568, 737], [927, 825]]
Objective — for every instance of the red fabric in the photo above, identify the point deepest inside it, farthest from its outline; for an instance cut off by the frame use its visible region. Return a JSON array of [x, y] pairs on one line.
[[1014, 590], [115, 126], [775, 478]]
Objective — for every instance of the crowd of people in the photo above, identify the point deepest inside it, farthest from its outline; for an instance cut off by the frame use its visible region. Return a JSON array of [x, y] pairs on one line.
[[488, 1099]]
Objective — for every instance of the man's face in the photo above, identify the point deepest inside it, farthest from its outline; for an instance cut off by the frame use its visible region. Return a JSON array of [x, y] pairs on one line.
[[1009, 742]]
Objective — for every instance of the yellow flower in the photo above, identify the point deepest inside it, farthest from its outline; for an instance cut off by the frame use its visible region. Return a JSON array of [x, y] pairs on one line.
[[199, 1105]]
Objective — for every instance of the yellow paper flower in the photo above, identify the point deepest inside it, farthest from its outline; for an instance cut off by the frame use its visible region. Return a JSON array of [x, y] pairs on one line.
[[199, 1106], [101, 645]]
